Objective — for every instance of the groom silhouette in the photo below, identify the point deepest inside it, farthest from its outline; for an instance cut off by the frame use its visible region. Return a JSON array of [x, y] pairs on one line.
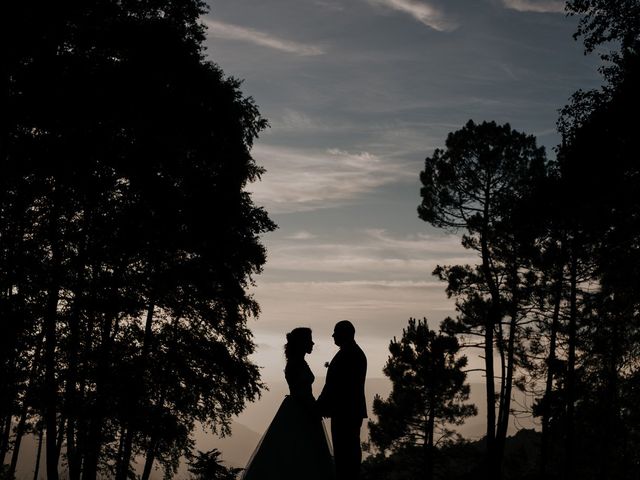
[[342, 400]]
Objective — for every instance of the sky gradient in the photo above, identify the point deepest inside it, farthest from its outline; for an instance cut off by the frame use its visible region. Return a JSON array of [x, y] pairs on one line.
[[358, 93]]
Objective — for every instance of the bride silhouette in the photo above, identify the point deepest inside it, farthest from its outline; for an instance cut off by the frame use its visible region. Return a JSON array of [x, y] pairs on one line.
[[295, 445]]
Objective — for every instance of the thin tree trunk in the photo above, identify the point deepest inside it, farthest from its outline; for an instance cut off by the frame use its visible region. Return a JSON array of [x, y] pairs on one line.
[[60, 439], [94, 435], [429, 451], [124, 459], [50, 318], [493, 317], [6, 435], [503, 375], [38, 454], [119, 459], [571, 366], [505, 402], [148, 462], [16, 320], [51, 394], [127, 443], [71, 392], [148, 331], [610, 435], [20, 431], [82, 427], [20, 428], [493, 469], [551, 360], [94, 438]]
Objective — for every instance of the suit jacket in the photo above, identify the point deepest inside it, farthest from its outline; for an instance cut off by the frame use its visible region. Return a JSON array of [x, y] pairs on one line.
[[343, 392]]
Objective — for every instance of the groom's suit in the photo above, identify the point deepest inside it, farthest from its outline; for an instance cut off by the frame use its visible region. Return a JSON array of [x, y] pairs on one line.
[[342, 399]]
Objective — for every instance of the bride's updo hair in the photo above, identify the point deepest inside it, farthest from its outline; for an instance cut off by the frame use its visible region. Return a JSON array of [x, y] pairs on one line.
[[296, 339]]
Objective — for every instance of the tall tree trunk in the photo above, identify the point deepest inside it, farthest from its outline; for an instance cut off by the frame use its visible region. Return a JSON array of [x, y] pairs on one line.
[[36, 470], [135, 400], [71, 392], [51, 387], [124, 459], [61, 432], [493, 318], [119, 459], [50, 335], [505, 402], [16, 322], [20, 428], [148, 332], [6, 436], [551, 361], [500, 343], [148, 462], [20, 431], [94, 434], [82, 424], [429, 449], [571, 366], [493, 469], [610, 436]]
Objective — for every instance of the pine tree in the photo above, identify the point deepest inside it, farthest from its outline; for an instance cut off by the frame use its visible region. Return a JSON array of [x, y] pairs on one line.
[[428, 395]]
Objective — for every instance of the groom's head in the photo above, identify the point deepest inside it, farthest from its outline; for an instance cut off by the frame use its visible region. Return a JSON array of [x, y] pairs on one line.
[[343, 333]]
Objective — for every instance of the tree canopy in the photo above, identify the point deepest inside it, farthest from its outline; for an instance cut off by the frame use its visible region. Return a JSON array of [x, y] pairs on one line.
[[127, 238], [428, 395]]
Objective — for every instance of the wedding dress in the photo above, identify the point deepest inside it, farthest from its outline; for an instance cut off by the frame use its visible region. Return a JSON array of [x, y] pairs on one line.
[[295, 445]]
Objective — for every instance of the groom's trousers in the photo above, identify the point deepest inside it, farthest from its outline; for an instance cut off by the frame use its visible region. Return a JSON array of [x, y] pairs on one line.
[[347, 452]]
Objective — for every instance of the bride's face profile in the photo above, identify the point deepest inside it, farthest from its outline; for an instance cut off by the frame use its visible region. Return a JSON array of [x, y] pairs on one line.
[[308, 345]]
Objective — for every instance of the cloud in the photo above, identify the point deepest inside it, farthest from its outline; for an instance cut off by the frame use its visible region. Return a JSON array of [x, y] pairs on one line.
[[235, 32], [423, 12], [369, 254], [330, 5], [303, 180], [538, 6], [301, 235], [295, 121]]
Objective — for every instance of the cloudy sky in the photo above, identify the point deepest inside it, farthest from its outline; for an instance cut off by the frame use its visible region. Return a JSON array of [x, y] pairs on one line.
[[358, 93]]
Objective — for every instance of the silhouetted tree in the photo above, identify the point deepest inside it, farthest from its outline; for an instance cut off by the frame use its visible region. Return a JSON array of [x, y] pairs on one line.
[[478, 183], [428, 394], [208, 466], [607, 22], [597, 132], [127, 239]]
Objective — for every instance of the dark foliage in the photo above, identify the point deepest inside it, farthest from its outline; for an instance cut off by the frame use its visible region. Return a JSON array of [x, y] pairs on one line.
[[459, 461], [428, 395], [208, 466], [127, 240], [561, 257]]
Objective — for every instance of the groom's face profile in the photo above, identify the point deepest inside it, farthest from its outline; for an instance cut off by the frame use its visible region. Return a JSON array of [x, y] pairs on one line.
[[342, 335], [339, 338]]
